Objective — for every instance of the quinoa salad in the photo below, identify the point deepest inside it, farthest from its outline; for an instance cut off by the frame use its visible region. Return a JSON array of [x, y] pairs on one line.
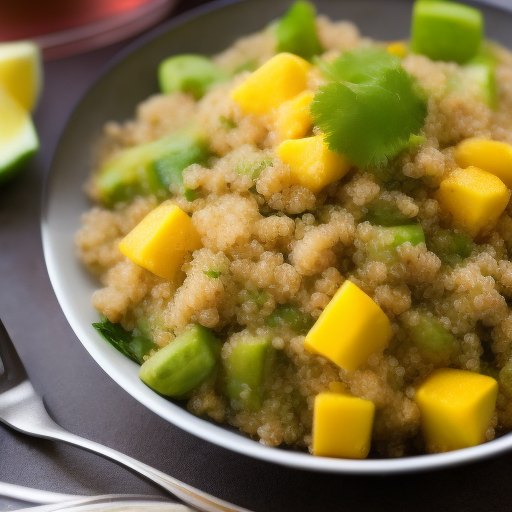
[[309, 235]]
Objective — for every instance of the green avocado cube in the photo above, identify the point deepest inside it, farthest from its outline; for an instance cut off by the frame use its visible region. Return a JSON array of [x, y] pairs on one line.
[[296, 31], [149, 168], [446, 31], [483, 75], [381, 212], [291, 316], [433, 341], [186, 362], [450, 246], [165, 174], [245, 368], [386, 240], [189, 73]]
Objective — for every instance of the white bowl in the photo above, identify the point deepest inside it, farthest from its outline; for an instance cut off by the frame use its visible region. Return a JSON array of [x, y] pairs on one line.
[[128, 81]]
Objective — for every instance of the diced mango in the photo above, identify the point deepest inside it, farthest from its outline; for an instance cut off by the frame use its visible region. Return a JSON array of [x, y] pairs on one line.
[[312, 164], [342, 426], [350, 329], [474, 198], [456, 408], [161, 241], [293, 118], [398, 48], [279, 79], [489, 155]]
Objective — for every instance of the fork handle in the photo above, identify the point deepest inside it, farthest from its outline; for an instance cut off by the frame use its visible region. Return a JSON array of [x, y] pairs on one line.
[[36, 421], [194, 497]]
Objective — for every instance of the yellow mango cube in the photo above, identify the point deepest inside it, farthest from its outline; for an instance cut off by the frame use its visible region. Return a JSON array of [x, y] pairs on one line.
[[312, 164], [474, 198], [489, 155], [350, 329], [397, 48], [342, 426], [293, 118], [161, 241], [456, 408], [279, 79]]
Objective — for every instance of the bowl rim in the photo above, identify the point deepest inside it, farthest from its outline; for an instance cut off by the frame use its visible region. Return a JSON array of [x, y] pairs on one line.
[[116, 365]]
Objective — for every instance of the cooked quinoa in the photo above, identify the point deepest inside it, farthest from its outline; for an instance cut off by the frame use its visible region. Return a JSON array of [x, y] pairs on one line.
[[271, 242]]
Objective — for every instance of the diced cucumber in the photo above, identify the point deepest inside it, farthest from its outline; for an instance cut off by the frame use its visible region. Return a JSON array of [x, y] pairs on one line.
[[482, 73], [446, 31], [253, 169], [193, 74], [133, 171], [291, 316], [182, 365], [213, 274], [248, 65], [296, 31], [386, 240], [505, 379], [166, 173], [386, 213], [135, 347], [227, 123], [433, 341], [246, 366], [450, 246]]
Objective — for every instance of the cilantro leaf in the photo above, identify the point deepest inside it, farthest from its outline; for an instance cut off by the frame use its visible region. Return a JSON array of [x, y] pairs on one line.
[[370, 108], [133, 347], [360, 65]]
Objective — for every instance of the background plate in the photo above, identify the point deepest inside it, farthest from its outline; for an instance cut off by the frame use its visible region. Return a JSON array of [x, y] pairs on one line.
[[130, 79]]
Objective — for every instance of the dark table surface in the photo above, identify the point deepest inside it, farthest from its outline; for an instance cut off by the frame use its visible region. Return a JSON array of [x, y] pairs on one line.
[[82, 398]]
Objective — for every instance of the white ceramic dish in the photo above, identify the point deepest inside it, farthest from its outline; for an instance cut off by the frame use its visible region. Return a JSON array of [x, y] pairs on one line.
[[129, 80]]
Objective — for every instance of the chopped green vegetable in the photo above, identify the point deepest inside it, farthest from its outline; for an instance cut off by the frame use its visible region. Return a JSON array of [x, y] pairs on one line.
[[246, 366], [371, 108], [296, 31], [248, 65], [433, 341], [135, 347], [386, 240], [505, 379], [291, 316], [193, 74], [214, 274], [253, 169], [182, 365], [149, 168], [166, 173], [227, 123], [446, 30], [450, 246], [382, 212]]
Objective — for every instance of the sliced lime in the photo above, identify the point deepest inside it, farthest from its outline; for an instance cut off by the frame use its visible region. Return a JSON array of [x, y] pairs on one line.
[[21, 72], [18, 137]]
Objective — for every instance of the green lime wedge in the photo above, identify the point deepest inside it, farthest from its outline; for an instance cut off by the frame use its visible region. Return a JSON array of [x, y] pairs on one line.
[[18, 137]]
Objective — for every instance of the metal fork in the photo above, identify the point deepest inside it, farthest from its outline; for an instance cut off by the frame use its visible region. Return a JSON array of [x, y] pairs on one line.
[[23, 410]]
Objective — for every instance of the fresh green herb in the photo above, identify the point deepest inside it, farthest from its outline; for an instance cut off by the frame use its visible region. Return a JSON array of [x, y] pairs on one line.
[[133, 347], [296, 31], [371, 107]]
